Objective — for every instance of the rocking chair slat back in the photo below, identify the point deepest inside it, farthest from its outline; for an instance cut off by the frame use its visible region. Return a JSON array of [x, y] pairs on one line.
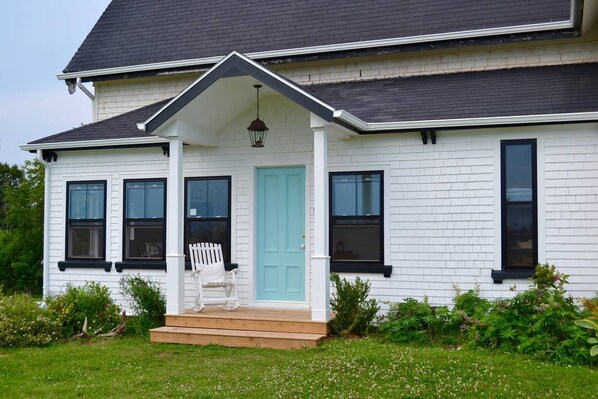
[[207, 258], [209, 272]]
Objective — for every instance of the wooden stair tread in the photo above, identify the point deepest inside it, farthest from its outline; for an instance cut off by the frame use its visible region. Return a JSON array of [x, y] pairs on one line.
[[242, 317], [251, 314], [239, 333]]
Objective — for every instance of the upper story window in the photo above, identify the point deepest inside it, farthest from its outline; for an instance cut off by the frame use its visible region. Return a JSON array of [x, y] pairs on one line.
[[356, 217], [519, 205], [144, 223], [86, 220], [207, 212]]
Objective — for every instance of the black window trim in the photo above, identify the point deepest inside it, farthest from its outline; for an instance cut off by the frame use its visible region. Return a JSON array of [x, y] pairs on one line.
[[362, 266], [507, 272], [186, 219], [84, 262], [142, 263]]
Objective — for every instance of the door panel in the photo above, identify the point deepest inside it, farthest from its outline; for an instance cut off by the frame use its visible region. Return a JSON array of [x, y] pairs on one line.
[[280, 234]]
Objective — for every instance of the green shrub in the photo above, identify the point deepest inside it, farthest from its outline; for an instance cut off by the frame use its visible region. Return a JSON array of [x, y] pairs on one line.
[[471, 303], [591, 323], [24, 323], [91, 301], [537, 322], [354, 313], [148, 303], [415, 321]]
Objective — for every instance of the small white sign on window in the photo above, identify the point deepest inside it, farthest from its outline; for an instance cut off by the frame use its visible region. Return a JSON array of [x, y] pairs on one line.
[[193, 212]]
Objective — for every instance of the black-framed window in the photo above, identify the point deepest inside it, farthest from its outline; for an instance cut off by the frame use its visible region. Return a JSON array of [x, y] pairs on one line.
[[144, 235], [207, 212], [86, 220], [519, 205], [356, 217]]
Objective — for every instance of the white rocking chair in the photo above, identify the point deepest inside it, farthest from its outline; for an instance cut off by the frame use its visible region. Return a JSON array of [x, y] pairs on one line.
[[208, 272]]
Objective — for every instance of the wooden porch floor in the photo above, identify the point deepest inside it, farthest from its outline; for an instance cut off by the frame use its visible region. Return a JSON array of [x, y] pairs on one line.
[[244, 327]]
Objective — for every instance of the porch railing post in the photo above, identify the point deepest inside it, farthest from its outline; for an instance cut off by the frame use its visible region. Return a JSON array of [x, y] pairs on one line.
[[175, 258]]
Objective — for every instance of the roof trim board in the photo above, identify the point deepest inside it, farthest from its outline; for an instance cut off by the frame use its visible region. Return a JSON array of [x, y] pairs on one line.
[[67, 145], [232, 65], [437, 37], [365, 127]]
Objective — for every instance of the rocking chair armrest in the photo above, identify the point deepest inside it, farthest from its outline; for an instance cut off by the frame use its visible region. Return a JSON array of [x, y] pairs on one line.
[[196, 273], [232, 274]]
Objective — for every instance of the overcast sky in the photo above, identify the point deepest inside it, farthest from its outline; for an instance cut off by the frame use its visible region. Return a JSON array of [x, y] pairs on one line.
[[37, 40]]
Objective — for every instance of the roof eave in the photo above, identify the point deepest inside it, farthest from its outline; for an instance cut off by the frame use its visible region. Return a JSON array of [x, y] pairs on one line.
[[462, 123], [68, 145]]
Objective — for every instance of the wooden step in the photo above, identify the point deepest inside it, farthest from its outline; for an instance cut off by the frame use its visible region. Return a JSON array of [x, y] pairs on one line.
[[231, 321], [235, 338]]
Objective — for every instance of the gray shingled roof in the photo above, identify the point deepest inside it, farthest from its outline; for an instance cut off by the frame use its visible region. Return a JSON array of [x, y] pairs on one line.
[[134, 32], [119, 127], [506, 92]]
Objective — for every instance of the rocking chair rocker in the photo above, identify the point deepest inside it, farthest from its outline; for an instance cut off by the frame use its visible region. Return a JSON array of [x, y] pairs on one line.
[[208, 272]]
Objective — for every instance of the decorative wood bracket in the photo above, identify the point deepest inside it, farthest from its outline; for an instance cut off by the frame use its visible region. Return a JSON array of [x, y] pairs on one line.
[[49, 156], [424, 134]]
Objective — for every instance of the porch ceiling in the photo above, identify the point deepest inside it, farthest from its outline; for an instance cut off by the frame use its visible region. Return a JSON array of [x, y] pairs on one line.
[[223, 101]]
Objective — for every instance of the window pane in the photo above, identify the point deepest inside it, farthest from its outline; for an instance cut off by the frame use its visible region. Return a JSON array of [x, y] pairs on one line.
[[520, 246], [77, 201], [356, 195], [86, 240], [95, 201], [154, 199], [519, 177], [209, 231], [135, 199], [368, 195], [144, 240], [356, 240], [217, 198], [343, 195], [207, 198]]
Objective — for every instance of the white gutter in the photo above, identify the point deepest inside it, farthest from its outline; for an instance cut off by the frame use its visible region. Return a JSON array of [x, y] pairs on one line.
[[141, 126], [546, 26], [463, 122], [93, 143], [46, 250]]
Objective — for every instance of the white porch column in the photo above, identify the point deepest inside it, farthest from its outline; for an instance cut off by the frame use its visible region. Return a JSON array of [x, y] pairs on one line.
[[175, 258], [320, 261]]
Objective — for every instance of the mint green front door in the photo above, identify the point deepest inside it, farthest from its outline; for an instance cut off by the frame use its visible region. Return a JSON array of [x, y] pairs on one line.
[[280, 239]]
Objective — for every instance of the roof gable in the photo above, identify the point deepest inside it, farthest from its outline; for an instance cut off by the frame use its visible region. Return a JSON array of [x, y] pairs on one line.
[[236, 64], [142, 32]]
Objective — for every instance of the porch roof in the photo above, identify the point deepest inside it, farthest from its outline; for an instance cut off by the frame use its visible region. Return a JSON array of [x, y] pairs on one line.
[[551, 94]]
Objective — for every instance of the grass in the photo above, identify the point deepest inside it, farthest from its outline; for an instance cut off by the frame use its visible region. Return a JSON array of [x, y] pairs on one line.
[[367, 368]]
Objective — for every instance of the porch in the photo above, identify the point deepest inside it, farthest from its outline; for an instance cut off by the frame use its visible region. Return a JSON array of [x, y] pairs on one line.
[[245, 327]]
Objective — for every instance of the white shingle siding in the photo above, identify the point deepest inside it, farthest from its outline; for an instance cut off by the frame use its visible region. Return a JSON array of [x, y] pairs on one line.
[[442, 201], [116, 97]]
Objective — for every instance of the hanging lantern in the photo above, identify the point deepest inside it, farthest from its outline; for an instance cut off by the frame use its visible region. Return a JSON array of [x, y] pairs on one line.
[[257, 129]]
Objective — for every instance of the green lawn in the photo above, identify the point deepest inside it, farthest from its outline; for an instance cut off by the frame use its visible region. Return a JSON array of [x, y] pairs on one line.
[[134, 368]]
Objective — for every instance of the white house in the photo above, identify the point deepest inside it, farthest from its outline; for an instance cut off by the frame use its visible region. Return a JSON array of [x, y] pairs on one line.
[[419, 145]]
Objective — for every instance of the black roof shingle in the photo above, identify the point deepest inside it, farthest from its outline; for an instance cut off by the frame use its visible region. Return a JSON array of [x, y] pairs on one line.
[[119, 127], [505, 92], [136, 32]]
